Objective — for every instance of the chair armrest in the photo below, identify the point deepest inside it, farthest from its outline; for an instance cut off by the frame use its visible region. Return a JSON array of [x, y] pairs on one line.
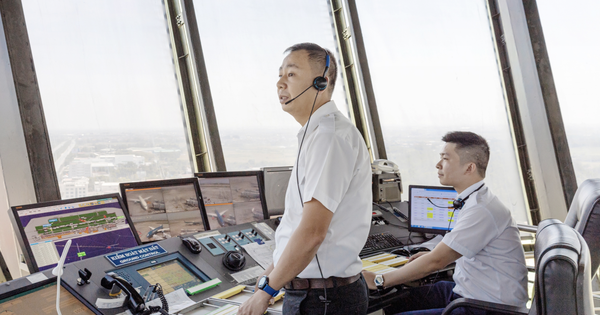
[[483, 305], [527, 228]]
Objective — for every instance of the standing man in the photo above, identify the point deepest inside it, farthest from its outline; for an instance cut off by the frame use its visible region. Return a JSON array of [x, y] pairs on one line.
[[328, 201], [485, 242]]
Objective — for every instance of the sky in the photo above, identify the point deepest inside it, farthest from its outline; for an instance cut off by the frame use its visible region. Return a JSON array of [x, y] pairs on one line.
[[108, 65]]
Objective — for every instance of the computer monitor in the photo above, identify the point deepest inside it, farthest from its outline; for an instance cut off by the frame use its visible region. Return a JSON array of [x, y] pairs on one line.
[[232, 198], [5, 274], [276, 183], [430, 209], [96, 225], [164, 208]]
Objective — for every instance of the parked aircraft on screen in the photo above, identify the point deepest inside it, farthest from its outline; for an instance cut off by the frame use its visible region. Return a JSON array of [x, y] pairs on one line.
[[142, 201], [154, 231], [223, 222]]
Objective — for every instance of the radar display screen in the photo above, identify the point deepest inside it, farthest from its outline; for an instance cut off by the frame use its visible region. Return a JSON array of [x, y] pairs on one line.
[[42, 300], [95, 226], [232, 198], [172, 275], [160, 210]]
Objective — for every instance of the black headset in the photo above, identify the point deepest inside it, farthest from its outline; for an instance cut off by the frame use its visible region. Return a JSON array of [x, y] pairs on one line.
[[320, 83], [458, 203]]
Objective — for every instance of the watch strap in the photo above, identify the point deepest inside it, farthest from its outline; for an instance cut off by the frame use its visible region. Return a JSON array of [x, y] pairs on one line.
[[379, 285], [272, 292]]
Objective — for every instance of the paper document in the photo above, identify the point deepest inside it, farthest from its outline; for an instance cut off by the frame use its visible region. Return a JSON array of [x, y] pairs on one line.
[[37, 277], [247, 274], [177, 301], [262, 254]]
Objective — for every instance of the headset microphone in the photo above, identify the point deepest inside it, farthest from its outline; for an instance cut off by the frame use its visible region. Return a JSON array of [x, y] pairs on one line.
[[319, 83], [298, 95]]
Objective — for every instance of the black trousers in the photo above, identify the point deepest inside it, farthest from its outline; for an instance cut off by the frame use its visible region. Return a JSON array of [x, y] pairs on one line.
[[348, 299], [431, 300]]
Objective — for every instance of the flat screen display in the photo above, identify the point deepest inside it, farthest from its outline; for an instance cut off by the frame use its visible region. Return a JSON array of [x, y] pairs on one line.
[[232, 198], [430, 209], [164, 209], [276, 183], [96, 226], [172, 275], [42, 300]]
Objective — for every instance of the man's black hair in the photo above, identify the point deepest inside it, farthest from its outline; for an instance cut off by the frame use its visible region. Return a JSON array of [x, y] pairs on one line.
[[470, 147], [317, 55]]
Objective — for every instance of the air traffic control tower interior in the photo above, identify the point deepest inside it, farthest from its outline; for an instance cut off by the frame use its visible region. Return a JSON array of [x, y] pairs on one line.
[[143, 147]]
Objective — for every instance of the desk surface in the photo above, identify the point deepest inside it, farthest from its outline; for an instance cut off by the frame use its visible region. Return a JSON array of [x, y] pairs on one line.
[[399, 230]]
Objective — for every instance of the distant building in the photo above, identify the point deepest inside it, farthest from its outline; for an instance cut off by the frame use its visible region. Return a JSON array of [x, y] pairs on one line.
[[74, 187], [80, 168], [101, 188], [122, 159]]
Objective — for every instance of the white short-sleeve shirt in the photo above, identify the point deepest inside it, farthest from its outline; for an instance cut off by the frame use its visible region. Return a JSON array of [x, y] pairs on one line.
[[334, 168], [493, 264]]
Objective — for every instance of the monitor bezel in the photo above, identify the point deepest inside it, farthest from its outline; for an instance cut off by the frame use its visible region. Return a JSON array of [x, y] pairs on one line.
[[418, 229], [167, 183], [26, 248], [258, 174], [132, 269], [274, 169], [4, 267]]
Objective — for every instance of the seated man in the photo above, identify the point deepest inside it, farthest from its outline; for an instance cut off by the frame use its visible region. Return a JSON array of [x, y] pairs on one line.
[[485, 242]]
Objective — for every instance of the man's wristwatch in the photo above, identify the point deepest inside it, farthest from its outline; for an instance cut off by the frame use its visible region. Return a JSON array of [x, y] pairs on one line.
[[379, 282], [263, 284]]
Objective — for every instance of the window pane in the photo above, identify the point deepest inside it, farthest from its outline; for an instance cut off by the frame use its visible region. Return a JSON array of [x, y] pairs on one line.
[[571, 34], [243, 44], [109, 90], [434, 70]]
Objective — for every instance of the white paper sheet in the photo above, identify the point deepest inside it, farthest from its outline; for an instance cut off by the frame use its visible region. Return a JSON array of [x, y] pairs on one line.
[[262, 254]]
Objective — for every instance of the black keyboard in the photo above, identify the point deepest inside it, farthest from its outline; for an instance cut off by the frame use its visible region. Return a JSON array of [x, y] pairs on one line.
[[380, 242]]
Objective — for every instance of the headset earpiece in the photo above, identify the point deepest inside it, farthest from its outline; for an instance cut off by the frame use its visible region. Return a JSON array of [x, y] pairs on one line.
[[320, 83], [458, 204]]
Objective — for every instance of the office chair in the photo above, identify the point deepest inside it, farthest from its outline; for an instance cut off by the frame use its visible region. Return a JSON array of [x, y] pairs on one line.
[[562, 278], [584, 217]]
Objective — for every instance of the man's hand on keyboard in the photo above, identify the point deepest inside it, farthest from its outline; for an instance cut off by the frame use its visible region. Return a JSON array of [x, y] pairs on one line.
[[417, 255]]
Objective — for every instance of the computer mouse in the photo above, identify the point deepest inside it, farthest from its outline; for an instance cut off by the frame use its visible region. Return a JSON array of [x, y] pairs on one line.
[[415, 250], [234, 260], [192, 244]]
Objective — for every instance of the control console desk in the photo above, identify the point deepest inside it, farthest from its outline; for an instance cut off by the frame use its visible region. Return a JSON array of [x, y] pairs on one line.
[[174, 265]]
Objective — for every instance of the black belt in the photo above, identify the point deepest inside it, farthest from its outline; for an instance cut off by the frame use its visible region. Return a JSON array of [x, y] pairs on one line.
[[331, 282]]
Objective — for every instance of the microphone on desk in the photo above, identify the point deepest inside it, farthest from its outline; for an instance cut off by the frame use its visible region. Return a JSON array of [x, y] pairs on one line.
[[298, 95], [58, 271]]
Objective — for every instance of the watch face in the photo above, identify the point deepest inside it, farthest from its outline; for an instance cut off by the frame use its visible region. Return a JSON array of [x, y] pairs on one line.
[[262, 282], [378, 280]]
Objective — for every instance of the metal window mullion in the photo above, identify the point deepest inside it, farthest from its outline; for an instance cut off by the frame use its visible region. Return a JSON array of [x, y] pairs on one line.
[[363, 108], [514, 113], [198, 110], [555, 121], [35, 130]]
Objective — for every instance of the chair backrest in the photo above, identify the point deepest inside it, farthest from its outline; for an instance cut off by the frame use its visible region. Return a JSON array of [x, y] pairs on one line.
[[562, 272], [584, 217]]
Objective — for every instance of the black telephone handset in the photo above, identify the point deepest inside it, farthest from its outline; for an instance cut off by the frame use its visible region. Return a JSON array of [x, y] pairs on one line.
[[135, 302]]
